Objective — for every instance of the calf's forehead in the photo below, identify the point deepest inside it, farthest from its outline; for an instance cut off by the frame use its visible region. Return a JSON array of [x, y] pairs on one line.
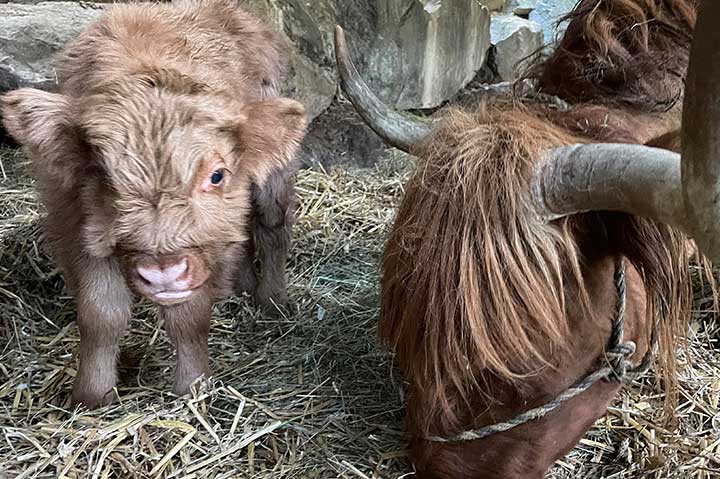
[[130, 122], [157, 152]]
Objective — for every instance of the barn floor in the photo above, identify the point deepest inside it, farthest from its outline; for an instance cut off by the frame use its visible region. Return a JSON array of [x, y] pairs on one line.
[[305, 396]]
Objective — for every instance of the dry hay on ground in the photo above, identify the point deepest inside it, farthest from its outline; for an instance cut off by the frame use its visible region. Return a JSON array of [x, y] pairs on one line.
[[307, 395]]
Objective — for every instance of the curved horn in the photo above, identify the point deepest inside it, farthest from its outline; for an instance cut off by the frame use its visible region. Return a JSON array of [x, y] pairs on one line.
[[639, 180], [396, 129], [650, 182]]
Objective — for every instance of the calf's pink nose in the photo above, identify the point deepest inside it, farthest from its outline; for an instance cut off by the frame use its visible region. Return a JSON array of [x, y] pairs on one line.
[[162, 275]]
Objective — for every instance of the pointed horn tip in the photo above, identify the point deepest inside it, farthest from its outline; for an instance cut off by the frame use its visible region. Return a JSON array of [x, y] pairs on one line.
[[341, 51]]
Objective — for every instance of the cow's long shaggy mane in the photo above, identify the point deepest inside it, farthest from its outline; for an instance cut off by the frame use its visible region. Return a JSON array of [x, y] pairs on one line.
[[625, 52], [474, 284]]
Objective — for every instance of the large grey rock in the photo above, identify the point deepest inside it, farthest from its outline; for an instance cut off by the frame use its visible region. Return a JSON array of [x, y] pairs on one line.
[[414, 54], [547, 13], [520, 7], [418, 59], [432, 6], [340, 137], [515, 39], [31, 34], [493, 5]]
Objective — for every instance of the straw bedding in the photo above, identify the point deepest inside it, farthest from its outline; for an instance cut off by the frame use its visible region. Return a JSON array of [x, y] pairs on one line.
[[305, 395]]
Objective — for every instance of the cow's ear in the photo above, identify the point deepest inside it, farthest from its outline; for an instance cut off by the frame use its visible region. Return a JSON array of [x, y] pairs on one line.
[[269, 134], [44, 124]]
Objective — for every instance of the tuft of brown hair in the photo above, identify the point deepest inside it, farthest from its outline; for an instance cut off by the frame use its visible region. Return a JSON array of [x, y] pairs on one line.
[[631, 53], [472, 280], [474, 285]]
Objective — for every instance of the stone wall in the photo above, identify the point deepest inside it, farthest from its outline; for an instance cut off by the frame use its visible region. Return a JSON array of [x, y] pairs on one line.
[[415, 53]]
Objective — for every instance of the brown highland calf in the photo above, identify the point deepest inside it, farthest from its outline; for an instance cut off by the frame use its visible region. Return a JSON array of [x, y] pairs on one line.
[[499, 289], [164, 155]]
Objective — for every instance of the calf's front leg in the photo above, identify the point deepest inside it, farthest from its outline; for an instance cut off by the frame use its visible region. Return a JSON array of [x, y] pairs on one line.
[[274, 219], [246, 276], [104, 304], [188, 325]]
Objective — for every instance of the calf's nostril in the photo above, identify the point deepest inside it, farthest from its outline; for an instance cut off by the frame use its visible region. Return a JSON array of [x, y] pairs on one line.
[[156, 275], [150, 274], [175, 272]]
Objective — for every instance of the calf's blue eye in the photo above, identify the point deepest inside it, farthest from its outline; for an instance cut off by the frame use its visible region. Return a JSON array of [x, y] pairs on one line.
[[217, 177]]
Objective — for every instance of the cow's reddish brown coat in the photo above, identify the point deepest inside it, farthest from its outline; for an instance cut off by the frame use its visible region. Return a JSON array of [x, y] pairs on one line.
[[492, 312]]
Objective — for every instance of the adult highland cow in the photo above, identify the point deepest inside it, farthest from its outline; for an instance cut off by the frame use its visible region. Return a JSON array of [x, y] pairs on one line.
[[165, 151], [524, 257]]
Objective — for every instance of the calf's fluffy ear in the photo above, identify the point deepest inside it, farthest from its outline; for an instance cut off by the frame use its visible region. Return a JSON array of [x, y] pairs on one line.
[[270, 133], [43, 123]]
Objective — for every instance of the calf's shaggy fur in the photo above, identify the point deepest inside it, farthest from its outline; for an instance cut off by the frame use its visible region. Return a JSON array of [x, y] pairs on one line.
[[166, 155]]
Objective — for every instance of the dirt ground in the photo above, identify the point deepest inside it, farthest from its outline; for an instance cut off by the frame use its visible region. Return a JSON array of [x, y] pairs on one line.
[[308, 395]]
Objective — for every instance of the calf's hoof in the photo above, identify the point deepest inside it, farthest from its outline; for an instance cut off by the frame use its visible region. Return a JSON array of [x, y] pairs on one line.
[[245, 283], [91, 398], [272, 304], [184, 385]]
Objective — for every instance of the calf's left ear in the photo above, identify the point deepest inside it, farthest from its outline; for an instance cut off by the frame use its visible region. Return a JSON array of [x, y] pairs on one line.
[[270, 133]]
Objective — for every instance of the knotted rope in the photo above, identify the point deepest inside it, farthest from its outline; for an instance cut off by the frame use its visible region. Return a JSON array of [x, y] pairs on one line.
[[617, 369]]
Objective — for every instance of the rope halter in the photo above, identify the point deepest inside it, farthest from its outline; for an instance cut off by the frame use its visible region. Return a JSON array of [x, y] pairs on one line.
[[617, 369]]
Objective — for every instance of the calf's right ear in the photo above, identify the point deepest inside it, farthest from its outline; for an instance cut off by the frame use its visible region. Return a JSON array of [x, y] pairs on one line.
[[44, 124], [270, 134]]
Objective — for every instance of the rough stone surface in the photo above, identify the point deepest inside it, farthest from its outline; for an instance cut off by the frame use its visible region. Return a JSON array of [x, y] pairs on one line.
[[414, 59], [31, 34], [340, 137], [493, 5], [520, 7], [418, 59], [515, 39], [411, 58], [306, 27], [547, 13], [431, 6]]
